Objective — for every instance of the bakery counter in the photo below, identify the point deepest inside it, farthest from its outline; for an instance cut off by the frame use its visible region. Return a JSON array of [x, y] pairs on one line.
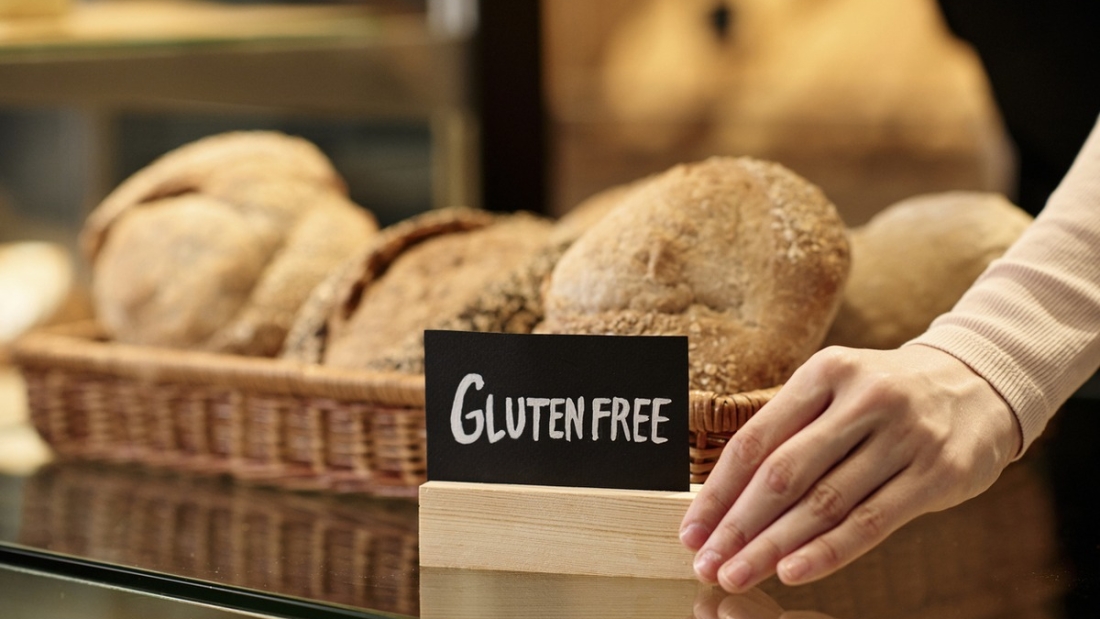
[[1028, 547]]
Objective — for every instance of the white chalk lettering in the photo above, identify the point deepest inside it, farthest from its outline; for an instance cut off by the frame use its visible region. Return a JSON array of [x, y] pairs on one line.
[[515, 430], [639, 419], [656, 419], [456, 411], [599, 412], [574, 419], [565, 417], [556, 414], [536, 405], [494, 435], [620, 410]]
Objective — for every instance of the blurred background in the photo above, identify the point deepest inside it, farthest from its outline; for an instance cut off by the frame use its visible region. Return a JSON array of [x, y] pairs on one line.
[[507, 105], [538, 104]]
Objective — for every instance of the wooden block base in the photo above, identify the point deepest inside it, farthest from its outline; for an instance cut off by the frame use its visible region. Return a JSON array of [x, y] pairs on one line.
[[489, 594], [555, 530]]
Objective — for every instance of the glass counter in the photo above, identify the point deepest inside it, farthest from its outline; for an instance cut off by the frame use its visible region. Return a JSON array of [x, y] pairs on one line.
[[1028, 547]]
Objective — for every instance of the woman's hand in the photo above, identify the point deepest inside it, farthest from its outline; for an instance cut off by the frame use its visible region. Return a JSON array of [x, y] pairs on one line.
[[856, 444]]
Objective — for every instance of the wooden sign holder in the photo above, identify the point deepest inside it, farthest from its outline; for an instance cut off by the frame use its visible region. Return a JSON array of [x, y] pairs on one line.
[[487, 594], [562, 530]]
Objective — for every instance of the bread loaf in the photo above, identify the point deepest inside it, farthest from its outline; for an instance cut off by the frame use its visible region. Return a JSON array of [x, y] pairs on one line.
[[915, 259], [742, 256], [216, 244], [36, 278], [455, 268]]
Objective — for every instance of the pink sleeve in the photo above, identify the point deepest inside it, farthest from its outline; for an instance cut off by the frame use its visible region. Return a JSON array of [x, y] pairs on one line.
[[1030, 325]]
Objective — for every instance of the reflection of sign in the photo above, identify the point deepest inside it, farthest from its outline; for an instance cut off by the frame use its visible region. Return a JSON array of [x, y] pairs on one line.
[[558, 410]]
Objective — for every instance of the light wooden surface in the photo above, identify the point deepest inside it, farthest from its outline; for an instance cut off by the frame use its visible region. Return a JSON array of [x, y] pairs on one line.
[[588, 531], [482, 594]]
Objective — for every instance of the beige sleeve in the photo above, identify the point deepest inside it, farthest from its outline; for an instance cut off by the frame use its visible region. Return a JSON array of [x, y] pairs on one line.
[[1031, 323]]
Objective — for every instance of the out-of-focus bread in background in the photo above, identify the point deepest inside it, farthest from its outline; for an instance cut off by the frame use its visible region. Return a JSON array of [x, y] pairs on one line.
[[216, 244], [33, 8], [36, 282], [872, 101], [36, 287], [915, 259]]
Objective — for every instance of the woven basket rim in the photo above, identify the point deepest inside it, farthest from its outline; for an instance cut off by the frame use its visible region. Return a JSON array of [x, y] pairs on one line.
[[79, 347]]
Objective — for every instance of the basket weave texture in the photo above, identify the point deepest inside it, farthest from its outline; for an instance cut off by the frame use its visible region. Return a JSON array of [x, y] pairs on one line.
[[266, 420]]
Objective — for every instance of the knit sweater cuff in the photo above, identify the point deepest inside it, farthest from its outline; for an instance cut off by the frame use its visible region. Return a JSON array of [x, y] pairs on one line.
[[1001, 370]]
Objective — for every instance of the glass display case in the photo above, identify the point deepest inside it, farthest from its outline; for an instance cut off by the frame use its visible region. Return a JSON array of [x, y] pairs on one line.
[[521, 105]]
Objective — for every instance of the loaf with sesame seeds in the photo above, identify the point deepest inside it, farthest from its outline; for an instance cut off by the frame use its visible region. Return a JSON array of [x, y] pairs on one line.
[[744, 257]]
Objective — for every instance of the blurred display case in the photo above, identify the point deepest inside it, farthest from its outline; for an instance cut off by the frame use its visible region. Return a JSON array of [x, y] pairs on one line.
[[872, 101], [510, 105], [91, 94]]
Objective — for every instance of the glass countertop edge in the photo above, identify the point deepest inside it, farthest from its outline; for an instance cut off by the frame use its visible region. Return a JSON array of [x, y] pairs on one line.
[[178, 587]]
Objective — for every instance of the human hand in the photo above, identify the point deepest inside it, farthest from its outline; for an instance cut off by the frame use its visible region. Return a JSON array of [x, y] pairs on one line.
[[856, 444]]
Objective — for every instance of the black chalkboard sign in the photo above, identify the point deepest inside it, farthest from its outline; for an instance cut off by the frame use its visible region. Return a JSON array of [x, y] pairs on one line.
[[562, 410]]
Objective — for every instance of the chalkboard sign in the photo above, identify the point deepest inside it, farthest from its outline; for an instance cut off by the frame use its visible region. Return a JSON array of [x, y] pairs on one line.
[[562, 410]]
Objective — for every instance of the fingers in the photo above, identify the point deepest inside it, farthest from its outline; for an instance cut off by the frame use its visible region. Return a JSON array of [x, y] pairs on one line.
[[864, 528], [857, 444], [780, 482], [790, 410], [826, 504]]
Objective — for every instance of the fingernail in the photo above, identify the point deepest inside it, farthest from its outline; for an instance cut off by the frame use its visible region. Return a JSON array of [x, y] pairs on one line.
[[794, 568], [706, 564], [736, 574], [694, 536]]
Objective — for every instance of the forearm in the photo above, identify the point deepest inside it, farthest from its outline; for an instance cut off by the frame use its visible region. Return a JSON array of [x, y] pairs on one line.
[[1030, 325]]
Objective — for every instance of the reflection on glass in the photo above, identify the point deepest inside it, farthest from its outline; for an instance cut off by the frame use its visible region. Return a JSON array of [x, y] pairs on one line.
[[995, 556], [753, 604], [347, 550], [30, 594]]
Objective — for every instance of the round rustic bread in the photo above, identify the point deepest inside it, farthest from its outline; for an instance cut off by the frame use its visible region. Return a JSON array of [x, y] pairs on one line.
[[915, 259], [587, 212], [429, 284], [742, 256], [217, 244], [214, 160]]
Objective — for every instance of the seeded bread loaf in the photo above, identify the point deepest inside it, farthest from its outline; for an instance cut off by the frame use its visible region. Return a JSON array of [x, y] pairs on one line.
[[742, 256], [456, 268]]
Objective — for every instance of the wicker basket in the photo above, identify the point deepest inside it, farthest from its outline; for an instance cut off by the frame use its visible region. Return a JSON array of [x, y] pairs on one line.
[[267, 420]]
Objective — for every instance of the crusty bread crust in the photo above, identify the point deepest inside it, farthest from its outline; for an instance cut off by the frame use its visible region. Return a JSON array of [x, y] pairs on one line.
[[332, 303], [378, 321], [215, 245], [197, 166], [742, 256], [914, 260]]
